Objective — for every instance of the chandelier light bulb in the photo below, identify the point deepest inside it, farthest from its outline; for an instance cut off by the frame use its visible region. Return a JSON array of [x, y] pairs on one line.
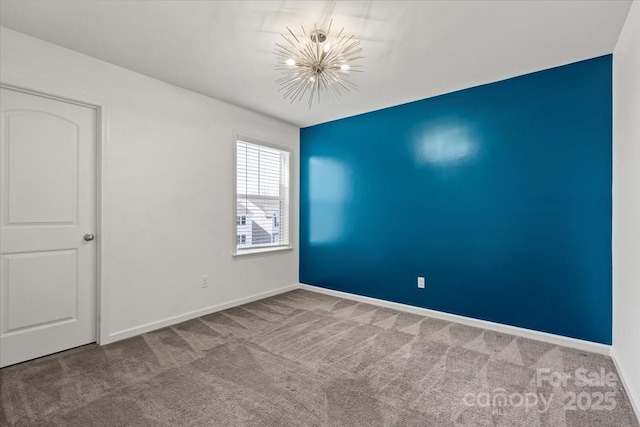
[[316, 62]]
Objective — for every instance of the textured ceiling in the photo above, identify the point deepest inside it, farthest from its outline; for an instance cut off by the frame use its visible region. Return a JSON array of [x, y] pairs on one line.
[[413, 49]]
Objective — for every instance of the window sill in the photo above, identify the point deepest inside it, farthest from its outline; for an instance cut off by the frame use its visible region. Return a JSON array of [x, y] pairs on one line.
[[247, 253]]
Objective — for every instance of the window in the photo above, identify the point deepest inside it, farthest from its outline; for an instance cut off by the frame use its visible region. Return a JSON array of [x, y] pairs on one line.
[[262, 197]]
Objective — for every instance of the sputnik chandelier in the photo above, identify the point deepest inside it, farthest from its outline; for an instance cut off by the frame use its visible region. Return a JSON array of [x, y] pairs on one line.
[[316, 63]]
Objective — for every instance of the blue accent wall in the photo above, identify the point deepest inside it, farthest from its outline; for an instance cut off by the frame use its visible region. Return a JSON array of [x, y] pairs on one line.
[[500, 195]]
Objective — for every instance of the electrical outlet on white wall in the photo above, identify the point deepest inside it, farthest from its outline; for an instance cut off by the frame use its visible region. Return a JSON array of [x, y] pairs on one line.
[[204, 281], [421, 282]]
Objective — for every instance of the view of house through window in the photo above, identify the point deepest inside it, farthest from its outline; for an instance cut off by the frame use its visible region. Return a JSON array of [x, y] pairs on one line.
[[262, 196]]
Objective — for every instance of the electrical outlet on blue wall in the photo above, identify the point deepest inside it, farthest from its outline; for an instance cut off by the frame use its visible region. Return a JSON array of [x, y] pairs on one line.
[[502, 191]]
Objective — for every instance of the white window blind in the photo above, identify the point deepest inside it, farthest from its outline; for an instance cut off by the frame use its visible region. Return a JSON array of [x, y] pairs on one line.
[[262, 196]]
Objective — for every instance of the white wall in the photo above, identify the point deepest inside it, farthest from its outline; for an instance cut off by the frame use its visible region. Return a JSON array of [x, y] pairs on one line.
[[169, 187], [626, 204]]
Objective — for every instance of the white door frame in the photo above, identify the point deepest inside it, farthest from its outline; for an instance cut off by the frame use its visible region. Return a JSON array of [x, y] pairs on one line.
[[102, 335]]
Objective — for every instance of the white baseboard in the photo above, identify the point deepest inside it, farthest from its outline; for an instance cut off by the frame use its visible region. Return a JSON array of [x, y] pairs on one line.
[[635, 400], [127, 333], [498, 327]]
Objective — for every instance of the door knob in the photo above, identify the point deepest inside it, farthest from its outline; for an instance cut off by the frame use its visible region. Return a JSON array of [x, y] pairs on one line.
[[89, 237]]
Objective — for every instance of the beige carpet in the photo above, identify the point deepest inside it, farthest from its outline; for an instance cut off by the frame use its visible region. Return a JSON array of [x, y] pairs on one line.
[[307, 359]]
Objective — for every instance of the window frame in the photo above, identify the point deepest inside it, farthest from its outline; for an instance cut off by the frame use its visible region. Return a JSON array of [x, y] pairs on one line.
[[266, 249]]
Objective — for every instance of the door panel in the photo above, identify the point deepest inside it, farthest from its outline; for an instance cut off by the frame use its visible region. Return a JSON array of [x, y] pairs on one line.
[[47, 193], [35, 180], [57, 301]]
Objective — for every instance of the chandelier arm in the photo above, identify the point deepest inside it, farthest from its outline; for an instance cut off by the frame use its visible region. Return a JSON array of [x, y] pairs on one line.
[[286, 90], [285, 49], [291, 83], [288, 39], [346, 40], [350, 83], [341, 83], [292, 34], [307, 53], [307, 50], [300, 88], [353, 45], [340, 40], [334, 90], [354, 52], [306, 88], [293, 92], [327, 57], [356, 65], [333, 55], [317, 82], [313, 89], [283, 80], [299, 98], [353, 58], [323, 81]]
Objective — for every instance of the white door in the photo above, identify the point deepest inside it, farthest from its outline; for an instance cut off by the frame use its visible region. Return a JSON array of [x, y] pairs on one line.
[[48, 199]]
